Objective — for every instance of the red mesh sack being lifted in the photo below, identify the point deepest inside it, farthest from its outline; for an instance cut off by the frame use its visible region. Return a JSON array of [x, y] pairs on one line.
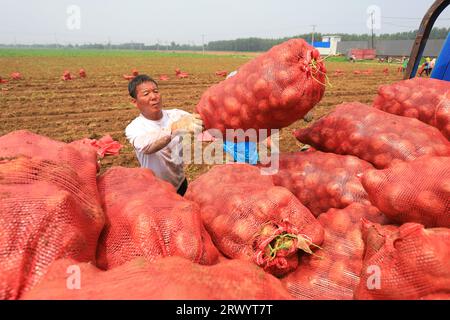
[[170, 278], [322, 180], [145, 217], [409, 262], [333, 274], [373, 135], [249, 218], [269, 92], [422, 98], [46, 209], [416, 191]]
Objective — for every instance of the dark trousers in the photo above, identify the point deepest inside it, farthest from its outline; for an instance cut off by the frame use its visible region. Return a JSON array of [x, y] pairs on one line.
[[182, 189]]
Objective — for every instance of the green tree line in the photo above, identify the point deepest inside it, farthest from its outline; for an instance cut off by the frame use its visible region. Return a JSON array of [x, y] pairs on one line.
[[246, 44], [257, 44]]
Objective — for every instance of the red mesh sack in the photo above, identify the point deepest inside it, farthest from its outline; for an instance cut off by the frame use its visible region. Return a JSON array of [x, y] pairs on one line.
[[373, 135], [16, 76], [181, 74], [221, 73], [269, 92], [67, 76], [46, 212], [82, 73], [413, 262], [322, 180], [422, 98], [61, 180], [145, 217], [249, 218], [80, 159], [104, 146], [333, 274], [170, 278], [416, 191]]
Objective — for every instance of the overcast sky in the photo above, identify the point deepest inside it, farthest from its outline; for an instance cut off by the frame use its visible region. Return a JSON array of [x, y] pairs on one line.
[[185, 21]]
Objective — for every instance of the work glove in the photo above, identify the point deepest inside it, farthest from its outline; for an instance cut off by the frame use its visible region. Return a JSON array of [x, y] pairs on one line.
[[191, 123]]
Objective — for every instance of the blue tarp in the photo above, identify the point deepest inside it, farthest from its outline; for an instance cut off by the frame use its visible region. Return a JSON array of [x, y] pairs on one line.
[[442, 68], [319, 44], [244, 152]]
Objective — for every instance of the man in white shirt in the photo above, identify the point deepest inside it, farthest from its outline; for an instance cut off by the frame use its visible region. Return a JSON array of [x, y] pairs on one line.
[[156, 133]]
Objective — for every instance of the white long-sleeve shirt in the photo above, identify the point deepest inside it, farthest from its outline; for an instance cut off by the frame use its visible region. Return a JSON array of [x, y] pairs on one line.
[[146, 136]]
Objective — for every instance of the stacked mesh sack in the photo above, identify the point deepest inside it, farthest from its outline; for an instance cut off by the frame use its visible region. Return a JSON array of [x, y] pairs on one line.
[[145, 217], [49, 208]]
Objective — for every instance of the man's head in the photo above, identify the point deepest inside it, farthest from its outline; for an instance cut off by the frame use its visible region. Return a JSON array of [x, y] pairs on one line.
[[146, 97]]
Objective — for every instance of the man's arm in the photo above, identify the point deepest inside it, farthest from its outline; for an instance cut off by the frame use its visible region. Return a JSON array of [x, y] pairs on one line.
[[153, 141], [149, 142]]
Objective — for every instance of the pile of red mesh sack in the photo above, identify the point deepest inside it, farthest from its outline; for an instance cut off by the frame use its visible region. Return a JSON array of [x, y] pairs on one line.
[[249, 218], [333, 273], [373, 135], [49, 208], [322, 180], [416, 191], [171, 278], [422, 98], [145, 217], [409, 262]]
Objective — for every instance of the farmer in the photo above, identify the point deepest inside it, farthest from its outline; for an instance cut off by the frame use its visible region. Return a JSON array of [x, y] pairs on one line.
[[405, 64], [425, 67], [431, 66], [156, 133]]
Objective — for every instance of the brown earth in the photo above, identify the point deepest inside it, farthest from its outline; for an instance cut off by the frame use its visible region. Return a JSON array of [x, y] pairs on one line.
[[99, 104]]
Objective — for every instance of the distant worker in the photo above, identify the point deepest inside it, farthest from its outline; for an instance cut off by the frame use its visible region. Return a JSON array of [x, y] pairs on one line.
[[352, 58], [405, 62], [156, 133], [425, 67], [431, 67]]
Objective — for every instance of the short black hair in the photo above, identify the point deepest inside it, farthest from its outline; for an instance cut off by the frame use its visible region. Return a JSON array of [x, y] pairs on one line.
[[132, 85]]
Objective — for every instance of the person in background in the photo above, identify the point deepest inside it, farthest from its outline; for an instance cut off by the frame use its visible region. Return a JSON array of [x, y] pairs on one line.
[[425, 67], [156, 133], [405, 62], [432, 64]]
